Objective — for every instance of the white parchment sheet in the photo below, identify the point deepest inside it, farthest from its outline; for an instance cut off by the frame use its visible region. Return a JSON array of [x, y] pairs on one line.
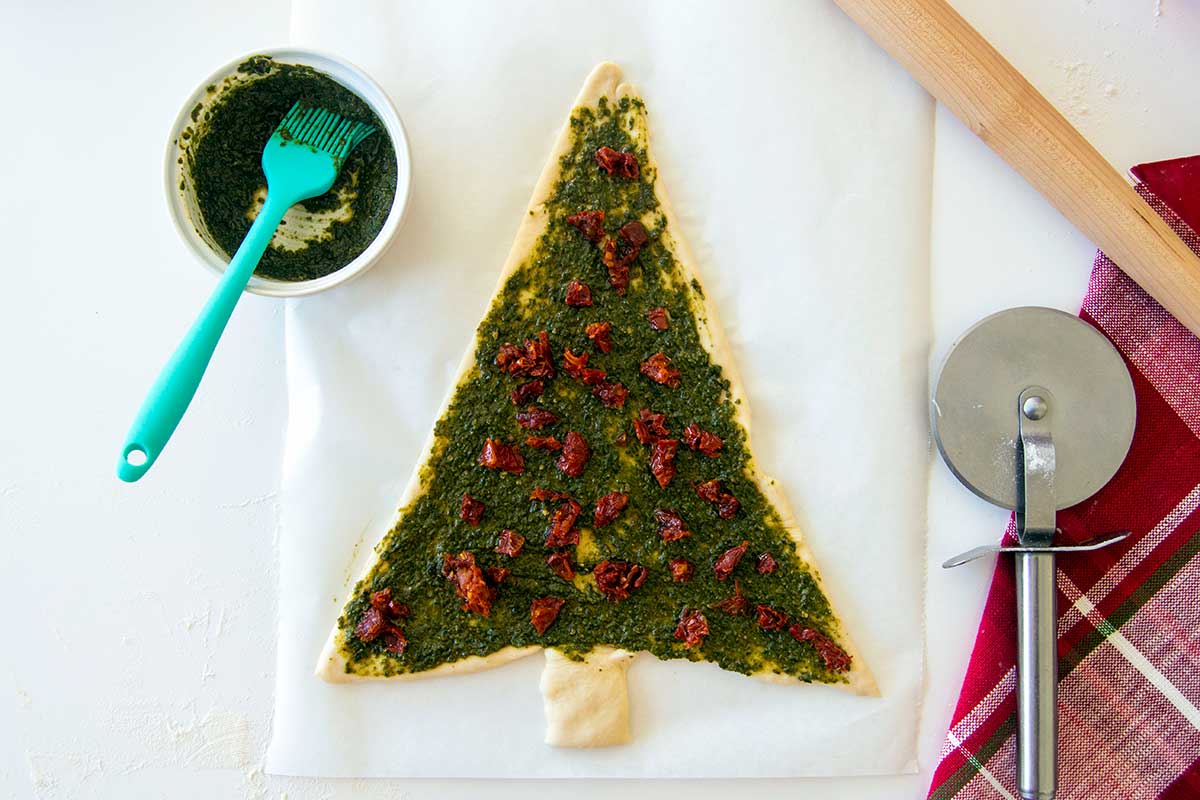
[[798, 158]]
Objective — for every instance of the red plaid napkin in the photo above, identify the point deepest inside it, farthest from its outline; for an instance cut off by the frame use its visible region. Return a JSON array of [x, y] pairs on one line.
[[1129, 615]]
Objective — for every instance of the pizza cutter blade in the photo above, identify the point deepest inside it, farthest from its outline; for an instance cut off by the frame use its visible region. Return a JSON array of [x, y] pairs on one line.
[[1034, 410]]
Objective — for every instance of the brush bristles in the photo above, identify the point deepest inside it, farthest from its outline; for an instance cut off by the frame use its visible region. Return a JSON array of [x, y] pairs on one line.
[[324, 130]]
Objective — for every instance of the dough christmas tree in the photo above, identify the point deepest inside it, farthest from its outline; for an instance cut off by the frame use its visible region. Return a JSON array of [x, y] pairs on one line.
[[589, 488]]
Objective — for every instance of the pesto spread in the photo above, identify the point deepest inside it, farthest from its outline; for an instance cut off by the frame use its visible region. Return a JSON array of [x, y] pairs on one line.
[[436, 528], [222, 155]]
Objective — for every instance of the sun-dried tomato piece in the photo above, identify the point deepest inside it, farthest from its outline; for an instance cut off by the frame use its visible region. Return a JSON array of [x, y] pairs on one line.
[[836, 659], [578, 294], [498, 455], [608, 507], [550, 495], [562, 531], [770, 619], [658, 318], [510, 543], [766, 564], [560, 565], [590, 224], [381, 598], [618, 277], [692, 628], [469, 582], [727, 506], [728, 560], [543, 443], [543, 611], [533, 359], [682, 570], [574, 455], [534, 418], [564, 537], [658, 369], [498, 575], [612, 395], [592, 376], [370, 625], [656, 422], [710, 444], [634, 232], [649, 426], [619, 253], [622, 438], [616, 579], [712, 491], [614, 162], [576, 366], [527, 392], [698, 439], [736, 603], [601, 335], [471, 510], [609, 255], [670, 525], [383, 602], [509, 355], [618, 263], [394, 640], [662, 460]]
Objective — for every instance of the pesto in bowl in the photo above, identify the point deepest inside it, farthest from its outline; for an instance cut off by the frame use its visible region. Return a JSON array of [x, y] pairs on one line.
[[220, 160]]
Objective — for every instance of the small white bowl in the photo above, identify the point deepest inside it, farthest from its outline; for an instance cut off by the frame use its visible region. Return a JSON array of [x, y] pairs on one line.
[[182, 203]]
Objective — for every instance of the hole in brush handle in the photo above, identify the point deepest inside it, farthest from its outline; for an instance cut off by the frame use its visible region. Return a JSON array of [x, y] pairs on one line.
[[135, 461]]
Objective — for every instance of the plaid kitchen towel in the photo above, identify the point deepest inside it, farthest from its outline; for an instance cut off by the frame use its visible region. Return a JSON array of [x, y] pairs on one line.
[[1129, 615]]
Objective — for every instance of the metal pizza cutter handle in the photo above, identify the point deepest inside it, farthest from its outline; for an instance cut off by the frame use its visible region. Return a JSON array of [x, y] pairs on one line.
[[1034, 411]]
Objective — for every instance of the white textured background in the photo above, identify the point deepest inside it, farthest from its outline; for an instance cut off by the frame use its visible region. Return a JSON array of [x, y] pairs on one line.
[[141, 647]]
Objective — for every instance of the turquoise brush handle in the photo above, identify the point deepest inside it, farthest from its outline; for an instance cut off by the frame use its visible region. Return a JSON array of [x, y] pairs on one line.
[[176, 384]]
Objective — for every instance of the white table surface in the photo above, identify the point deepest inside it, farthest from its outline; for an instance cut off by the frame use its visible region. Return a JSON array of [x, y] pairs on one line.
[[142, 621]]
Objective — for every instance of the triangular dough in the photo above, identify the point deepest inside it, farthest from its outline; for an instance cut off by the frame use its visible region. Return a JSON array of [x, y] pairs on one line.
[[443, 638]]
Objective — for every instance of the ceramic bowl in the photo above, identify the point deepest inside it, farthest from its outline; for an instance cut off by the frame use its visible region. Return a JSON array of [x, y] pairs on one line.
[[182, 202]]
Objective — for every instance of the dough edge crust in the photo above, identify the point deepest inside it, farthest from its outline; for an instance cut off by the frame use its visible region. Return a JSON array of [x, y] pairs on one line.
[[604, 80]]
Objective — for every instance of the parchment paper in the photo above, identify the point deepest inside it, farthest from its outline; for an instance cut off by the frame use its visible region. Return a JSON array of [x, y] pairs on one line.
[[798, 158]]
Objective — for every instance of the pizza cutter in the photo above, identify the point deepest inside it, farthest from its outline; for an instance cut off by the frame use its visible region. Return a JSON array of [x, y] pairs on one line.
[[1034, 411]]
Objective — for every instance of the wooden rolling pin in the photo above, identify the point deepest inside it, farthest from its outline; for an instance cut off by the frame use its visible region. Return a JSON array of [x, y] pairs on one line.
[[958, 67]]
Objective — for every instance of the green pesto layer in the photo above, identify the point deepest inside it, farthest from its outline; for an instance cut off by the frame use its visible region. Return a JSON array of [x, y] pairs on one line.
[[531, 300]]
